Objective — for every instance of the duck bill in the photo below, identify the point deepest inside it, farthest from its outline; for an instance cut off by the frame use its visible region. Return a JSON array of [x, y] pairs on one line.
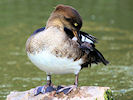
[[76, 34]]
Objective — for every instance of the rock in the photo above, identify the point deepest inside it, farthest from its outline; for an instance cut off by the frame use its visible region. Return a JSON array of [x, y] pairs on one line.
[[81, 93]]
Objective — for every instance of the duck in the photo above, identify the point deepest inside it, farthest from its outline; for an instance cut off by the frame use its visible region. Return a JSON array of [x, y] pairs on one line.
[[62, 48]]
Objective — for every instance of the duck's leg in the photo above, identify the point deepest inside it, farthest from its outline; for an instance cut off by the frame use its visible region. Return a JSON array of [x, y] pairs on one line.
[[68, 89], [49, 82], [46, 88]]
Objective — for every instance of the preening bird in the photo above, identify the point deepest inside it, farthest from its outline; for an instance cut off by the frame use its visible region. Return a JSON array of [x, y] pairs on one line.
[[61, 48]]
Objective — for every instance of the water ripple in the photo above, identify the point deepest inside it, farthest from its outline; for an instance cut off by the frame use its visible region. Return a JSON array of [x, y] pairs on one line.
[[11, 62], [123, 90], [28, 79], [16, 53]]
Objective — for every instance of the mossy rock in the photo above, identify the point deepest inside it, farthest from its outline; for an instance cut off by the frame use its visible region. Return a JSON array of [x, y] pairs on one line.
[[108, 95]]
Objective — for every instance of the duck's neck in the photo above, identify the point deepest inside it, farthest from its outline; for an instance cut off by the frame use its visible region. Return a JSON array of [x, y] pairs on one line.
[[54, 21]]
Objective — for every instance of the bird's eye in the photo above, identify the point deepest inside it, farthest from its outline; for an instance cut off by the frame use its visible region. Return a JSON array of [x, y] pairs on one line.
[[75, 24]]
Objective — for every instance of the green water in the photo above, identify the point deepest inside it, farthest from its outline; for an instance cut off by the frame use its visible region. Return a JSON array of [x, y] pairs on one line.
[[111, 21]]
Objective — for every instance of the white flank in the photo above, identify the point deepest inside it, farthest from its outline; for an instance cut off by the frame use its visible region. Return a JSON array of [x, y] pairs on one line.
[[84, 39], [51, 64]]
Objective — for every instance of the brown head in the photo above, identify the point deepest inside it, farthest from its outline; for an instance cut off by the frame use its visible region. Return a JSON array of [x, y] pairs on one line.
[[66, 16]]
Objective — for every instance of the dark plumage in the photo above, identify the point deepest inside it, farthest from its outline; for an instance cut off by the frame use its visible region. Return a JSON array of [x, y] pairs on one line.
[[94, 56]]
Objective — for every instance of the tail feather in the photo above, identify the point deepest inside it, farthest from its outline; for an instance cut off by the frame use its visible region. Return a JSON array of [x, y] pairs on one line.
[[94, 56], [100, 57]]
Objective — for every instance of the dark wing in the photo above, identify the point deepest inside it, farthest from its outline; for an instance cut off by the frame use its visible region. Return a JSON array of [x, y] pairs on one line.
[[82, 35], [88, 46], [38, 30], [93, 55], [69, 32], [99, 57], [88, 36]]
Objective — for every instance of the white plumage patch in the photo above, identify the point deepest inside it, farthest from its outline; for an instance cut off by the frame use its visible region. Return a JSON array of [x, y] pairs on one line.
[[74, 39], [51, 64], [84, 39]]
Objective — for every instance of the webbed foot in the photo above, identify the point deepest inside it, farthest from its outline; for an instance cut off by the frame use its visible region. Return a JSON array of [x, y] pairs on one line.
[[66, 89], [43, 89]]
